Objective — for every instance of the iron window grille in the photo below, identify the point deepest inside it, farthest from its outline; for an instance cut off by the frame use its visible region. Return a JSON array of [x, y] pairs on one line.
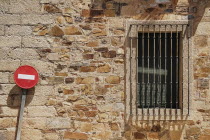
[[158, 69]]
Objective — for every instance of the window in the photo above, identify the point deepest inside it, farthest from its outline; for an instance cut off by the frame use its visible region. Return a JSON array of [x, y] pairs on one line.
[[158, 69]]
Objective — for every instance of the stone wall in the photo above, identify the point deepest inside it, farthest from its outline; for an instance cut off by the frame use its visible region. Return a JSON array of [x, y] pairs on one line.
[[78, 48]]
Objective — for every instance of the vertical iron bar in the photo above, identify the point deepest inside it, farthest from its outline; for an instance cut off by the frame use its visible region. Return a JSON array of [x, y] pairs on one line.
[[137, 83], [171, 72], [177, 68], [148, 84], [131, 96], [188, 96], [182, 94], [154, 86], [160, 91], [165, 69], [143, 69]]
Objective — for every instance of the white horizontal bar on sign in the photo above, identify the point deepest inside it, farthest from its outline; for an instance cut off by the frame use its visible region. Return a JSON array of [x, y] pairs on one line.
[[25, 76]]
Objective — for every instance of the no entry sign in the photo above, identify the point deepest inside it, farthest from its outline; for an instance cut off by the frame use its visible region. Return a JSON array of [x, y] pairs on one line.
[[26, 77]]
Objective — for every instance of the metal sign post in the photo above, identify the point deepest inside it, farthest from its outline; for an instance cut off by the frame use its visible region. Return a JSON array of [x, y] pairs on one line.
[[23, 100], [25, 77]]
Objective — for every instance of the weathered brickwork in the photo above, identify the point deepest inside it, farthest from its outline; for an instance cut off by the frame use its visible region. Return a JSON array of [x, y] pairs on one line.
[[78, 48]]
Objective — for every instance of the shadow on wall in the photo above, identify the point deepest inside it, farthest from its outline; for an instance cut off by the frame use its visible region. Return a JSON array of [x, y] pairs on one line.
[[14, 97], [1, 111], [196, 11], [0, 106], [162, 130], [150, 10], [202, 8]]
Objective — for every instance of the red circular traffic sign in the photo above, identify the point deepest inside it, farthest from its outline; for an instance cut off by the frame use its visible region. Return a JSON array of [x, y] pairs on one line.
[[26, 77]]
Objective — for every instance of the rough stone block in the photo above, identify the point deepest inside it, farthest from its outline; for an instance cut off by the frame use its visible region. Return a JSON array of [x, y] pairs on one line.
[[104, 117], [109, 12], [72, 30], [66, 91], [37, 100], [56, 31], [192, 131], [94, 43], [86, 127], [24, 6], [117, 41], [106, 108], [10, 41], [75, 135], [31, 134], [4, 53], [99, 32], [14, 100], [91, 113], [61, 74], [51, 1], [204, 137], [101, 49], [104, 68], [6, 89], [18, 30], [55, 80], [88, 56], [87, 69], [162, 1], [207, 12], [44, 90], [85, 13], [41, 66], [10, 19], [51, 136], [200, 41], [37, 19], [1, 30], [4, 6], [113, 79], [37, 123], [4, 77], [114, 126], [203, 28], [24, 54], [51, 8], [13, 65], [100, 90], [8, 112], [116, 23], [138, 135], [3, 100], [87, 89], [109, 54], [58, 123], [7, 122], [35, 42], [203, 83], [86, 80], [8, 134], [96, 13], [53, 56], [41, 111], [69, 80]]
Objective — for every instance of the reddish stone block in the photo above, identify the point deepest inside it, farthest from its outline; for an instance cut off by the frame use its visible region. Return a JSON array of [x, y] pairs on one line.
[[75, 135], [91, 113], [85, 13]]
